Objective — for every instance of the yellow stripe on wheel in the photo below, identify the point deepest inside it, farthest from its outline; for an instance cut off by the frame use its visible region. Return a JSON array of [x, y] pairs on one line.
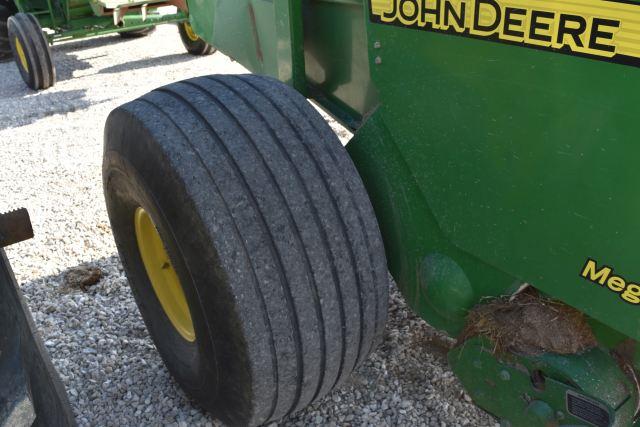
[[21, 56], [162, 275], [190, 33]]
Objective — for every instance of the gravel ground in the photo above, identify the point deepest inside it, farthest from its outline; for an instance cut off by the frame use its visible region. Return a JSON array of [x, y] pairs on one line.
[[50, 163]]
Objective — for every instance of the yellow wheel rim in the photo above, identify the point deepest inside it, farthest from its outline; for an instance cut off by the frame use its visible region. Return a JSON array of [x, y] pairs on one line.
[[190, 33], [162, 275], [21, 56]]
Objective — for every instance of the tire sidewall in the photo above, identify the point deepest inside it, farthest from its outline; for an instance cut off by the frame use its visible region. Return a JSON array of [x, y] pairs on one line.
[[140, 161], [193, 364], [14, 31], [41, 73]]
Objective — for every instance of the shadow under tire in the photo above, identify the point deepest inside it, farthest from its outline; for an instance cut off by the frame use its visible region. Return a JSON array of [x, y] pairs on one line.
[[31, 51], [270, 231], [136, 34], [192, 43]]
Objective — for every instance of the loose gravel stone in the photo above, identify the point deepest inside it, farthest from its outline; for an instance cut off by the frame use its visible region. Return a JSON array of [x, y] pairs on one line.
[[50, 163]]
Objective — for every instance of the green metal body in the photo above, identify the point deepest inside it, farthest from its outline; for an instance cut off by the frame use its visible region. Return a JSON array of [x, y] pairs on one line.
[[74, 19], [489, 164], [544, 403]]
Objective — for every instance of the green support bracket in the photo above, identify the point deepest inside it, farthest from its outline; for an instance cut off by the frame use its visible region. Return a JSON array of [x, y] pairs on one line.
[[546, 390]]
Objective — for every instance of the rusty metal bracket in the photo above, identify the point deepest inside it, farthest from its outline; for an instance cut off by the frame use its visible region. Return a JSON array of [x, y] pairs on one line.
[[15, 226]]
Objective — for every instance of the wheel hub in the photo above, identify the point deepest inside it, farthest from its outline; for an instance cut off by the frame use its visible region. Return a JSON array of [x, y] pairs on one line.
[[190, 33], [163, 277], [21, 56]]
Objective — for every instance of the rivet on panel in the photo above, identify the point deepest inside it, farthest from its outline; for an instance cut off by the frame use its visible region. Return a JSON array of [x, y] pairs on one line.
[[504, 375]]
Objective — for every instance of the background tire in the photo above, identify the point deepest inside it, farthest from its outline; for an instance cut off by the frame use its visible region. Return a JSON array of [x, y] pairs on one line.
[[5, 46], [270, 230], [194, 44], [9, 4], [136, 34], [31, 51]]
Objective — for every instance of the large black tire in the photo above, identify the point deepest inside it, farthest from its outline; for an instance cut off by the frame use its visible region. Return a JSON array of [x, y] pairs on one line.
[[31, 51], [270, 231], [5, 46], [194, 44], [136, 34]]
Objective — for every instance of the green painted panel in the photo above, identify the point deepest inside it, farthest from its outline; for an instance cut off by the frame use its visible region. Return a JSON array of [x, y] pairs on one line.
[[547, 389], [336, 58], [509, 164], [256, 33], [413, 240], [524, 157]]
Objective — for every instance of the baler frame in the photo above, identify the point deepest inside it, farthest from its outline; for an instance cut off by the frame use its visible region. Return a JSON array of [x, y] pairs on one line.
[[69, 19]]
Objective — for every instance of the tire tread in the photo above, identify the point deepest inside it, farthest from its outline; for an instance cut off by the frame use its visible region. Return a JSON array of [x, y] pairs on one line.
[[326, 134], [296, 226], [366, 214]]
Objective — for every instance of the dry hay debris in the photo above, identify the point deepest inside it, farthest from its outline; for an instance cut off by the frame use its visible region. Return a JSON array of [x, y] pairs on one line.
[[529, 323]]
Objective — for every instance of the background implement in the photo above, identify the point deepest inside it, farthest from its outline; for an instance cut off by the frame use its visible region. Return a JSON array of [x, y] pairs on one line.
[[29, 27]]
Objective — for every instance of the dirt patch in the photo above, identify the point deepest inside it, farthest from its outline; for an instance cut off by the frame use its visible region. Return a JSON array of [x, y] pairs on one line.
[[81, 277], [531, 324]]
